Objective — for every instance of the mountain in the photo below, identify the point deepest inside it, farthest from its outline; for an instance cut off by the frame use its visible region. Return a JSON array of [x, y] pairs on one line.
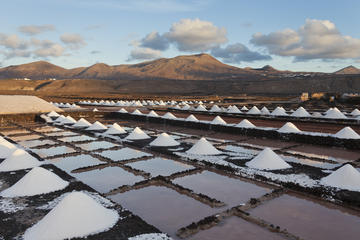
[[348, 70], [199, 74], [188, 67]]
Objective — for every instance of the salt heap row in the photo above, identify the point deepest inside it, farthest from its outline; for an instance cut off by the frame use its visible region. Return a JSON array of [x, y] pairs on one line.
[[133, 103], [65, 105]]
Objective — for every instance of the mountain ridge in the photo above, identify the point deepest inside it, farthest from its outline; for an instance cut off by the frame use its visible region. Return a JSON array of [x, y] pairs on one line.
[[185, 67], [348, 70]]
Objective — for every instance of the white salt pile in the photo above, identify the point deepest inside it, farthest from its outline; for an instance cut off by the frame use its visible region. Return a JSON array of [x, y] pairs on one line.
[[19, 159], [15, 104], [317, 115], [191, 118], [60, 119], [6, 148], [334, 113], [115, 129], [82, 123], [96, 126], [245, 124], [38, 181], [203, 147], [123, 110], [186, 107], [151, 236], [68, 120], [254, 110], [347, 133], [218, 121], [169, 115], [265, 111], [233, 109], [215, 108], [201, 108], [76, 215], [137, 134], [300, 112], [95, 110], [279, 111], [355, 112], [53, 114], [289, 128], [152, 113], [346, 177], [268, 160], [137, 112], [244, 108], [164, 140]]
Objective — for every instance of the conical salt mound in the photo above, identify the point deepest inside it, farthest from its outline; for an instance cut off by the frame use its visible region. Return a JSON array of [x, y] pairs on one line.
[[244, 108], [95, 110], [137, 112], [6, 148], [233, 109], [164, 140], [53, 114], [169, 115], [76, 215], [279, 111], [186, 107], [115, 129], [289, 128], [37, 181], [203, 147], [191, 118], [346, 177], [317, 115], [218, 121], [254, 110], [96, 126], [152, 113], [267, 160], [265, 111], [60, 118], [201, 108], [68, 120], [123, 110], [347, 133], [215, 108], [82, 123], [334, 113], [18, 160], [355, 112], [137, 134], [245, 124], [300, 112]]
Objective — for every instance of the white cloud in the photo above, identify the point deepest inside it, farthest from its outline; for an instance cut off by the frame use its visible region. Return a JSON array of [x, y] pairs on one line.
[[192, 35], [140, 53], [16, 47], [49, 50], [36, 29], [155, 41], [316, 39], [12, 42], [73, 40], [237, 53]]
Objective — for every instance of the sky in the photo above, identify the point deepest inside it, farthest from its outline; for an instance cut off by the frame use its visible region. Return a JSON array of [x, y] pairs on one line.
[[298, 35]]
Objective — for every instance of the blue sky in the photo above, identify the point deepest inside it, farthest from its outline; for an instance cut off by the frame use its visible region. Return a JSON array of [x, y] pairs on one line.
[[304, 35]]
